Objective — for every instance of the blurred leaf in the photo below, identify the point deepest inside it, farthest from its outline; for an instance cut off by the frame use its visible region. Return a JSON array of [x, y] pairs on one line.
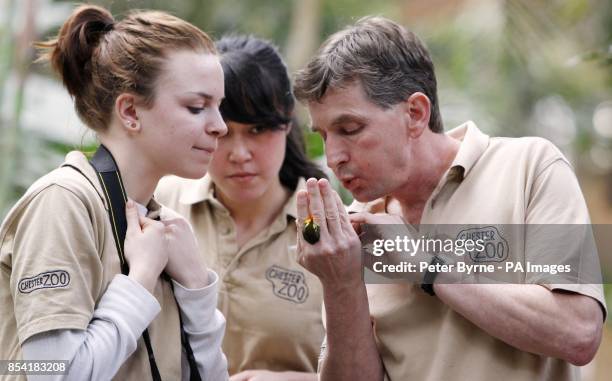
[[608, 296], [314, 144], [63, 148]]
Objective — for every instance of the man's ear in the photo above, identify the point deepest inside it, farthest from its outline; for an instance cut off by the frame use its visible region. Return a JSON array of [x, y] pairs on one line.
[[125, 108], [418, 109]]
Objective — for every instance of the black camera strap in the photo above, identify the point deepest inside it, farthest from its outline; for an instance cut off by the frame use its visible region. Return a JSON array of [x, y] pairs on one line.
[[114, 192]]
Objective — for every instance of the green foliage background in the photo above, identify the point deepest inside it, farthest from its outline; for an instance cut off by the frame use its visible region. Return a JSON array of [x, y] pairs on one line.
[[498, 63]]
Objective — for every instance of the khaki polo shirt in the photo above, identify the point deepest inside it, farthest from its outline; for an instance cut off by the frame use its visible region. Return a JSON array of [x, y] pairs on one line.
[[491, 181], [57, 257], [271, 304]]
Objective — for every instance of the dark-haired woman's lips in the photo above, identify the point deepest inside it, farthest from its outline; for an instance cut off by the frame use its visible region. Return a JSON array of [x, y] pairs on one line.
[[242, 177]]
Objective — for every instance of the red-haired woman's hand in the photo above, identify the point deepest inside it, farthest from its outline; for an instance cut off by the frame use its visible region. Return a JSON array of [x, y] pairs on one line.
[[145, 247], [185, 263]]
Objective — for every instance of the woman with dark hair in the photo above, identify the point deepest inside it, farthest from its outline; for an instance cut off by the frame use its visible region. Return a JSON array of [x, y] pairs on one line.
[[73, 291], [246, 206]]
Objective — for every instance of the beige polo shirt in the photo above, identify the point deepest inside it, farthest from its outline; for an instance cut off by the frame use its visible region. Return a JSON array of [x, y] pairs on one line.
[[491, 181], [57, 257], [271, 304]]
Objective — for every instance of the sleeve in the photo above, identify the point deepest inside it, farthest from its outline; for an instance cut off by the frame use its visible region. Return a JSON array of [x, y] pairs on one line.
[[57, 273], [555, 196], [97, 353], [204, 325], [559, 243]]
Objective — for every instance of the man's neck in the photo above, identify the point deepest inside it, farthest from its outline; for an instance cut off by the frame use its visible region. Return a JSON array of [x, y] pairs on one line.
[[437, 157]]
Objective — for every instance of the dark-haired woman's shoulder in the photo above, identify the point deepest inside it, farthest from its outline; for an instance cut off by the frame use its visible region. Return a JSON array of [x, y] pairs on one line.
[[179, 194]]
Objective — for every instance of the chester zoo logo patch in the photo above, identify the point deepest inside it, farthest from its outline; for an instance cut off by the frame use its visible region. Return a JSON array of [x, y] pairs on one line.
[[49, 279], [288, 284], [496, 248]]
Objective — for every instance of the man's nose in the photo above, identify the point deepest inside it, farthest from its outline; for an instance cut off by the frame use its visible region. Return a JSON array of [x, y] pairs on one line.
[[335, 153]]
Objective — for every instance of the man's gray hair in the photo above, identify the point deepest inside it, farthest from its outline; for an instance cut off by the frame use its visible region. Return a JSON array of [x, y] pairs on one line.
[[390, 62]]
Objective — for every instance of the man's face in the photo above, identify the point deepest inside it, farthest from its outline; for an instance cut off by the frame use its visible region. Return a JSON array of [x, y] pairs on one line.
[[366, 146]]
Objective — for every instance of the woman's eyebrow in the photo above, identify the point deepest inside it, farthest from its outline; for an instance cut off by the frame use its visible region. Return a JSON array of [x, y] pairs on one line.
[[201, 94], [204, 95]]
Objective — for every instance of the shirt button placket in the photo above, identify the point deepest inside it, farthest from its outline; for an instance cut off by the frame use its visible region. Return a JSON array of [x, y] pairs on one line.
[[228, 245]]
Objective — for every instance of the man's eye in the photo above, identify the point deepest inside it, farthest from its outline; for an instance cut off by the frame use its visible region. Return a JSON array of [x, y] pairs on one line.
[[195, 110], [352, 130]]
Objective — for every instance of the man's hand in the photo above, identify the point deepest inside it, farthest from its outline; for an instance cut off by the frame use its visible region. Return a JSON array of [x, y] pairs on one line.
[[336, 257], [388, 227], [365, 218], [336, 260]]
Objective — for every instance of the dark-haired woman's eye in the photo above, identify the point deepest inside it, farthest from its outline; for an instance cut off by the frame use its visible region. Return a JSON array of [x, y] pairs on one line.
[[256, 130], [195, 110]]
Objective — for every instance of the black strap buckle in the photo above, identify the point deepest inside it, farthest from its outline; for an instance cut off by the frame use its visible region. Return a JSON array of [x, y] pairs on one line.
[[430, 276]]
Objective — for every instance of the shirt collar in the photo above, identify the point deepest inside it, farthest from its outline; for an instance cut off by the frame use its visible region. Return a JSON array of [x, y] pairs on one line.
[[204, 190], [79, 161], [154, 209], [197, 191], [473, 144]]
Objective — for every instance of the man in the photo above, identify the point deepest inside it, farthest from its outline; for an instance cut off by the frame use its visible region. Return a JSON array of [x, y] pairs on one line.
[[371, 94]]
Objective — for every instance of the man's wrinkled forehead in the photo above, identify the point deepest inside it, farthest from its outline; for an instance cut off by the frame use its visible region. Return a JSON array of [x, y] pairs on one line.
[[338, 106]]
